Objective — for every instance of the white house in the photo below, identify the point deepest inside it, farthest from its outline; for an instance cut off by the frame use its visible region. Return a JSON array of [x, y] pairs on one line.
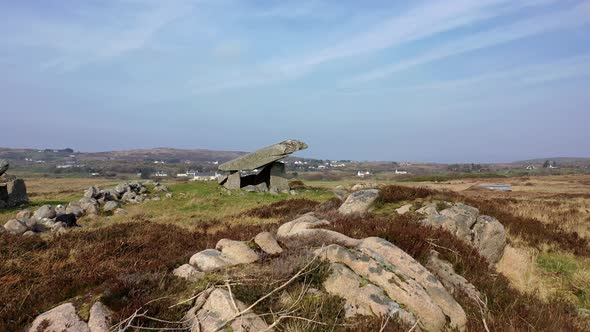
[[362, 174], [400, 172], [161, 174]]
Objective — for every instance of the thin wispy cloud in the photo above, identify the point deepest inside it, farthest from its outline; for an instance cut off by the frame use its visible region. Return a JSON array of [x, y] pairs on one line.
[[570, 18]]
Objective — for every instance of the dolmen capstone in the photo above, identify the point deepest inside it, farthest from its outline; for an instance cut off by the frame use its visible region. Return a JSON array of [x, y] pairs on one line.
[[12, 192], [271, 174]]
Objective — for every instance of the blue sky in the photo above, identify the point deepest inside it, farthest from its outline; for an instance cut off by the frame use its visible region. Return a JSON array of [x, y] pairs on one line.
[[446, 81]]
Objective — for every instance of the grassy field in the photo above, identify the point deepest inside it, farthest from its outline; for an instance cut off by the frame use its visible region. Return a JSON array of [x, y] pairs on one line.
[[126, 259]]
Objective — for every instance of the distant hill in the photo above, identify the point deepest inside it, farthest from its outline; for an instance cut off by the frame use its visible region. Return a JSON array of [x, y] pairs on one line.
[[164, 154]]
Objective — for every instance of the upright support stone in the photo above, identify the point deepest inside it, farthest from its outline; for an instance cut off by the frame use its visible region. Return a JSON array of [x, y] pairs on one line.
[[278, 180], [17, 193], [233, 181], [3, 192]]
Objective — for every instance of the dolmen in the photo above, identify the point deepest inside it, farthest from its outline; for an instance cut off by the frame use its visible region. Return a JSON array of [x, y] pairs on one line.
[[13, 192], [267, 171]]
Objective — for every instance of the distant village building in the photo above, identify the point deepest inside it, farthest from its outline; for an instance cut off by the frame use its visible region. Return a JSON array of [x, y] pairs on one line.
[[207, 176], [159, 162], [161, 174], [362, 174], [400, 172], [530, 167]]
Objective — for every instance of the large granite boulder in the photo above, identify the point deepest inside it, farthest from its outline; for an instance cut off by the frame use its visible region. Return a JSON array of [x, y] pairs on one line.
[[45, 211], [216, 307], [485, 233], [359, 202], [263, 156], [62, 318]]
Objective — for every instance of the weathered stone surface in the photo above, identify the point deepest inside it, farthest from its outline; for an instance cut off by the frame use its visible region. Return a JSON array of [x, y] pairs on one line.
[[92, 192], [210, 260], [489, 237], [362, 297], [24, 214], [110, 206], [122, 188], [129, 196], [45, 211], [120, 211], [267, 242], [263, 156], [188, 272], [62, 318], [233, 181], [75, 209], [15, 227], [260, 188], [398, 286], [386, 252], [237, 251], [359, 201], [3, 166], [17, 193], [278, 180], [217, 308], [404, 209], [303, 231], [452, 281], [428, 210], [159, 187], [100, 318], [485, 233]]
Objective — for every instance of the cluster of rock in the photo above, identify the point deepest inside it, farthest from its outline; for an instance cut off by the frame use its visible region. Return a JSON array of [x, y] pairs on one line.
[[484, 233], [59, 218], [64, 318], [13, 192], [373, 275], [266, 172]]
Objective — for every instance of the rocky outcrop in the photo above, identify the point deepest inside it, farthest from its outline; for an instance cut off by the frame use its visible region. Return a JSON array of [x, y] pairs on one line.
[[362, 297], [359, 202], [485, 233], [372, 275], [47, 218], [452, 281]]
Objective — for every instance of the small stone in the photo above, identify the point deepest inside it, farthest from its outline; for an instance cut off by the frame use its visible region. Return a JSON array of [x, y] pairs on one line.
[[188, 272], [15, 227], [267, 242], [46, 211], [110, 206], [24, 214]]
